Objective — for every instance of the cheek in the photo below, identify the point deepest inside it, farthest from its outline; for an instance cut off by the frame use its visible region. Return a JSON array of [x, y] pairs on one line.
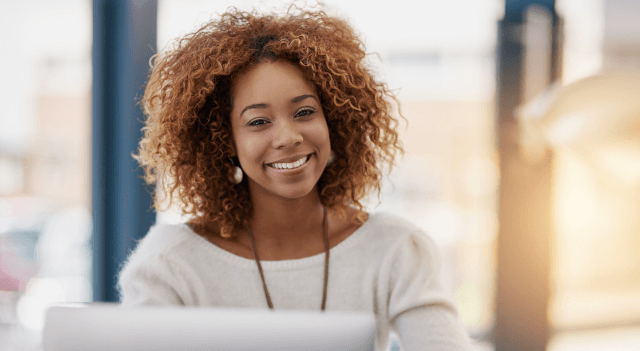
[[324, 128], [250, 147]]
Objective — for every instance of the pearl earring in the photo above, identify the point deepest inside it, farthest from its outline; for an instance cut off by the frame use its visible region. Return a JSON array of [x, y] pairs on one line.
[[332, 157], [237, 175]]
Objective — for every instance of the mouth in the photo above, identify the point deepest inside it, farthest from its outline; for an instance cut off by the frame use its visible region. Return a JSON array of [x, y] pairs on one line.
[[292, 165]]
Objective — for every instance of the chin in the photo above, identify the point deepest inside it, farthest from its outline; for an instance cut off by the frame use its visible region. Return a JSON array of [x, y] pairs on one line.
[[292, 191], [296, 193]]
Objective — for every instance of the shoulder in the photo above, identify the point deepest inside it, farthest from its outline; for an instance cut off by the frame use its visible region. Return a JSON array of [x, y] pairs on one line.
[[163, 237], [390, 227], [401, 240], [389, 221], [150, 274], [161, 240]]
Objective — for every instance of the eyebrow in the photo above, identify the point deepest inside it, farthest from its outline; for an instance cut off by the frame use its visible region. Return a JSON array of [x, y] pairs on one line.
[[295, 100]]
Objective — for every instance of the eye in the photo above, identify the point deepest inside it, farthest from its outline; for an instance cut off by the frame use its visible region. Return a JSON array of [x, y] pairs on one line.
[[258, 122], [305, 112]]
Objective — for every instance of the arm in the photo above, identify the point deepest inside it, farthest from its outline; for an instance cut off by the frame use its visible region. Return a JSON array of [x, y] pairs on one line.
[[420, 311], [434, 327], [151, 281]]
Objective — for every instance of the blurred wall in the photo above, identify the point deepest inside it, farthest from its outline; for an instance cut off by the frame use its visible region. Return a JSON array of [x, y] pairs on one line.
[[621, 45]]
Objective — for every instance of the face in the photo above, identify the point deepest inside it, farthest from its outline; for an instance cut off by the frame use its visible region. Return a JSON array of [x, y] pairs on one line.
[[280, 133]]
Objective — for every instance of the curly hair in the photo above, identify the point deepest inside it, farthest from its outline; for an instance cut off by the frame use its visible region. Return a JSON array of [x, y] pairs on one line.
[[187, 139]]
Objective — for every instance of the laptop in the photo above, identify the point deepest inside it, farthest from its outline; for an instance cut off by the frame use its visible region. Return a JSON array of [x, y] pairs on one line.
[[113, 327]]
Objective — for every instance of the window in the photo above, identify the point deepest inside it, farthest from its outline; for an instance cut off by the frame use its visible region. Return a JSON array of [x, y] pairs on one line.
[[45, 166], [596, 266]]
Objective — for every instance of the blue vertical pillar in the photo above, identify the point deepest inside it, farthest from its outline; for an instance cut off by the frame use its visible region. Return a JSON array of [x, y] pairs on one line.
[[124, 39]]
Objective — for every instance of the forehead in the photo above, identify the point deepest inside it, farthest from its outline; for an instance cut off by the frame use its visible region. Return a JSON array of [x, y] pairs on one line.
[[268, 82]]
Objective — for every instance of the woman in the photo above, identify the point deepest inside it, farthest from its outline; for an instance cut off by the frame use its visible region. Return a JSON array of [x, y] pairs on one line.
[[269, 131]]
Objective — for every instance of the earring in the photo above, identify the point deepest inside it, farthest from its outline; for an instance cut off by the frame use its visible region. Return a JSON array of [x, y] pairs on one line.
[[237, 173], [332, 157]]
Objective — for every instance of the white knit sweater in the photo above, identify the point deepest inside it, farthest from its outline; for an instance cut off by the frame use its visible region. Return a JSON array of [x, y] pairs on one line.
[[388, 266]]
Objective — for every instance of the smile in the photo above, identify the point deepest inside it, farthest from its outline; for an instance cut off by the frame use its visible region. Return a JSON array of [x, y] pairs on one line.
[[291, 165]]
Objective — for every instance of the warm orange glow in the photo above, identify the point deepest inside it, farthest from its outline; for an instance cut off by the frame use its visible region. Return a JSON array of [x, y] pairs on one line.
[[594, 126]]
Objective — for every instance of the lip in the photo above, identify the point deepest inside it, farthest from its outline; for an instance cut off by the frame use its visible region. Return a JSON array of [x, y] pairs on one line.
[[292, 170], [289, 159]]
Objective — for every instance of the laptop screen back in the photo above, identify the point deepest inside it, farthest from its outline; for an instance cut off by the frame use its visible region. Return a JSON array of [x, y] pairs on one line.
[[112, 327]]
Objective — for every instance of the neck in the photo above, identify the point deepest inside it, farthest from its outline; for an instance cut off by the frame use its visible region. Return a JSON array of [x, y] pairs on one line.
[[287, 223]]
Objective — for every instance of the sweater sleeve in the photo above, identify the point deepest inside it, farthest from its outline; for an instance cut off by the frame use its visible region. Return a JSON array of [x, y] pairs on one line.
[[419, 310], [152, 281]]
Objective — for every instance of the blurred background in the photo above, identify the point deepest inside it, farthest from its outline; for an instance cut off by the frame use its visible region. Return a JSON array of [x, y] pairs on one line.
[[523, 155]]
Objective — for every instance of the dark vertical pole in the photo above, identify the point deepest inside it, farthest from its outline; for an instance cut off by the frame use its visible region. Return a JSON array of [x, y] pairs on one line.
[[124, 38], [524, 238]]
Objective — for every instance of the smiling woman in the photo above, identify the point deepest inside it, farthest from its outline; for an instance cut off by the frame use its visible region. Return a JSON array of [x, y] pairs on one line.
[[194, 90], [272, 130]]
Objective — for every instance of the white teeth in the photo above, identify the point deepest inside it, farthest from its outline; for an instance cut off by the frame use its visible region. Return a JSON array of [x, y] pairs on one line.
[[295, 164]]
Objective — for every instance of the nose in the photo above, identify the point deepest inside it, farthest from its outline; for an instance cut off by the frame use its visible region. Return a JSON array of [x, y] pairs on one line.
[[286, 135]]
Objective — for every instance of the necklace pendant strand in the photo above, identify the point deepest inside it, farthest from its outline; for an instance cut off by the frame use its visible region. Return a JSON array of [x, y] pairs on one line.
[[326, 263]]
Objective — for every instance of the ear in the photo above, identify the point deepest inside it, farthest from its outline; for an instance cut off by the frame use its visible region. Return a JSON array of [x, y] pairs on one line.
[[232, 147], [233, 155]]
